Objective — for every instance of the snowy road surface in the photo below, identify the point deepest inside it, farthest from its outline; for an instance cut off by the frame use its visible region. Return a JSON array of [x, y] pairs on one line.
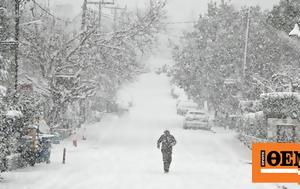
[[121, 153]]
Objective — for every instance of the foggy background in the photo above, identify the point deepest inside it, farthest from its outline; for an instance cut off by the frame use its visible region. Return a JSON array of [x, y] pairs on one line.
[[178, 10]]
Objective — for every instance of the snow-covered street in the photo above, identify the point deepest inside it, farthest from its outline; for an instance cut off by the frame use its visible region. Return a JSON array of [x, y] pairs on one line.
[[149, 94], [120, 152]]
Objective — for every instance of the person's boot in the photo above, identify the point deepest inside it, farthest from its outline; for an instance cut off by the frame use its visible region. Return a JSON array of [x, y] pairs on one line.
[[166, 168]]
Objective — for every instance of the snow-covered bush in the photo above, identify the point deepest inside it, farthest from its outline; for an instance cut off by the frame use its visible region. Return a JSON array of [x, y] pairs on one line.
[[281, 105], [254, 124], [14, 161], [253, 128]]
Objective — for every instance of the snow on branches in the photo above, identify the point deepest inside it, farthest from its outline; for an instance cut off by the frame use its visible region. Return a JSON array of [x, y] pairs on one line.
[[76, 66]]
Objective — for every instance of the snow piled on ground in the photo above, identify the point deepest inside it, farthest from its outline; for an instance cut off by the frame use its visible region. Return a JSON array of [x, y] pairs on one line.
[[120, 152]]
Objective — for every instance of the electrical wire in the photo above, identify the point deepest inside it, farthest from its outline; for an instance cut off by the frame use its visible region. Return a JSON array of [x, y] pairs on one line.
[[49, 13], [186, 22]]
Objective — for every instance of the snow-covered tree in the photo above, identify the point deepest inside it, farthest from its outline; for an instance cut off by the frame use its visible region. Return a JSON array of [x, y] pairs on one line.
[[210, 58], [66, 66], [75, 66], [5, 34], [285, 15]]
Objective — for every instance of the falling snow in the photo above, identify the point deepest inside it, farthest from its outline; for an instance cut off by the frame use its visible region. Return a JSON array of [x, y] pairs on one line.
[[85, 97]]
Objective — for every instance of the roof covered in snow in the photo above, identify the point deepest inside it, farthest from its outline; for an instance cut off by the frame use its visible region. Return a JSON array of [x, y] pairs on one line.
[[14, 114], [281, 95]]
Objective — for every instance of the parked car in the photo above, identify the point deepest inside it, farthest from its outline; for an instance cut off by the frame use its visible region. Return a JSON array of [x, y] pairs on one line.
[[184, 106], [196, 119], [158, 71]]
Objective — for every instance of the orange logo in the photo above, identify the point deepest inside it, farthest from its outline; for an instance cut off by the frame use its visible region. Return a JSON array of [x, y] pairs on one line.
[[276, 163]]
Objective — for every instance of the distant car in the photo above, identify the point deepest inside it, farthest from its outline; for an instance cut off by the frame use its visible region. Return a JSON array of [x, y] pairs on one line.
[[169, 73], [196, 119], [184, 106], [158, 71]]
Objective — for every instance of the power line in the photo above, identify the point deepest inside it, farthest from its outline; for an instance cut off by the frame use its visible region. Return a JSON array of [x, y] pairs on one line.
[[49, 13], [100, 6], [184, 22]]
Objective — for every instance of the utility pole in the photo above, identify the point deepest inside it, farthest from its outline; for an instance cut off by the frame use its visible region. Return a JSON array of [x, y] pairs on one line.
[[17, 34], [246, 45], [115, 9], [82, 102], [83, 29], [115, 19], [100, 16], [100, 3], [83, 19]]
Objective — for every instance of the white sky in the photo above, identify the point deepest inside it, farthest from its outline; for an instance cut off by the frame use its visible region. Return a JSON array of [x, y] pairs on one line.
[[178, 10], [190, 9]]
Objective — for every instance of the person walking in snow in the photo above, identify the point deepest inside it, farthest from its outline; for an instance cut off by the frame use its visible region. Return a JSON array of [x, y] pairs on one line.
[[166, 143]]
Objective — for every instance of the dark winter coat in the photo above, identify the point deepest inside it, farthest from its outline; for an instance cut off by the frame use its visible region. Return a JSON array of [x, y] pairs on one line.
[[167, 142]]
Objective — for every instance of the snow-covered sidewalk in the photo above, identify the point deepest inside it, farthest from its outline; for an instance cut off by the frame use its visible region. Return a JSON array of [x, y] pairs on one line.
[[120, 152]]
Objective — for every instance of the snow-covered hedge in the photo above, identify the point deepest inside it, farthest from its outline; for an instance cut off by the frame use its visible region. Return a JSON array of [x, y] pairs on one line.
[[254, 124], [281, 104]]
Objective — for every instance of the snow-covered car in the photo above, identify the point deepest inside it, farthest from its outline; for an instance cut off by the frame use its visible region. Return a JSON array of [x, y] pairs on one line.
[[184, 106], [196, 119], [158, 71]]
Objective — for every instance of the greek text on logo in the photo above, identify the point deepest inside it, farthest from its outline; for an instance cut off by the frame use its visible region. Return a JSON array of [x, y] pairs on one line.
[[276, 163]]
